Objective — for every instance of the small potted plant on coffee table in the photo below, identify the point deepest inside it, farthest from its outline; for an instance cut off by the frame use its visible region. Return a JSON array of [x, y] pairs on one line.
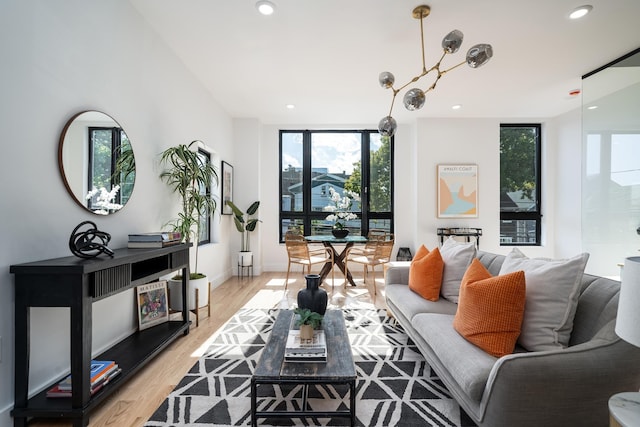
[[308, 321]]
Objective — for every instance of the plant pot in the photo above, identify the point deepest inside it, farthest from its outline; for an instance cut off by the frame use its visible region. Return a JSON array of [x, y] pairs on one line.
[[340, 233], [175, 296], [245, 259], [306, 332]]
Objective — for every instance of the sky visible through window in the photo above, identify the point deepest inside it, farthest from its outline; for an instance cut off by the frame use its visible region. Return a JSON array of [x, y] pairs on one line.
[[337, 152]]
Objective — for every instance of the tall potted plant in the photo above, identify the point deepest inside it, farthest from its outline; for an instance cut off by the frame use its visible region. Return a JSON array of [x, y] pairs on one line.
[[190, 175], [245, 224]]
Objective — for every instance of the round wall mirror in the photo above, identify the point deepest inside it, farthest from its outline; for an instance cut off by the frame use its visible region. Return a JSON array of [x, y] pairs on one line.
[[96, 162]]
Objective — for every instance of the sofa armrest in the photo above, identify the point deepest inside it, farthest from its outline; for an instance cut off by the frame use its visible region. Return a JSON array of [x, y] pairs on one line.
[[397, 272], [559, 388]]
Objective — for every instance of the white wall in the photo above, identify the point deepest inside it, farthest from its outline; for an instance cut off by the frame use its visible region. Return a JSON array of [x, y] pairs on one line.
[[56, 63]]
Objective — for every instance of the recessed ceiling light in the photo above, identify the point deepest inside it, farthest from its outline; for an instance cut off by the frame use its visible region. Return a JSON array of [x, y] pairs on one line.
[[580, 11], [265, 7], [290, 106], [456, 107], [592, 107]]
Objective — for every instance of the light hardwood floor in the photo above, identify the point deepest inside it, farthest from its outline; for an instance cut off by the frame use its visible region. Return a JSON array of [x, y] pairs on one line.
[[134, 402]]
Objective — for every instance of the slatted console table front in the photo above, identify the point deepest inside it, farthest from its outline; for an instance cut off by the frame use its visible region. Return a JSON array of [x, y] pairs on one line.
[[77, 283]]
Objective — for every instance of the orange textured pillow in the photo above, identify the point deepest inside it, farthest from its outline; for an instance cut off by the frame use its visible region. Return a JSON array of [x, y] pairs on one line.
[[491, 309], [425, 273]]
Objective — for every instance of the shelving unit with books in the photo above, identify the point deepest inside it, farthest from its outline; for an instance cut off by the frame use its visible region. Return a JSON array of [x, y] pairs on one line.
[[77, 283]]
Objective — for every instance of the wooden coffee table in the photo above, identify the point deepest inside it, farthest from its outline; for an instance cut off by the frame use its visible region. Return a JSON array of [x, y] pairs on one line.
[[338, 369]]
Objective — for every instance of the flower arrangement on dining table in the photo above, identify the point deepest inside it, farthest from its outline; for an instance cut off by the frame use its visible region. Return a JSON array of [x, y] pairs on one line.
[[340, 207]]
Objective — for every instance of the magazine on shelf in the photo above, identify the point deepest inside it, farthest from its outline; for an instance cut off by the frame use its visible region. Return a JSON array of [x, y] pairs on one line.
[[313, 350], [158, 236]]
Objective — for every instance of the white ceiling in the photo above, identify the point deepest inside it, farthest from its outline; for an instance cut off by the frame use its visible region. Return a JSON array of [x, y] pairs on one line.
[[324, 56]]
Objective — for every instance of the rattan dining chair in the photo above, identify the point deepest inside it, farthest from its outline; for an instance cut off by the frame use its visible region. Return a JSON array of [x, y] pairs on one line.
[[377, 251], [299, 252]]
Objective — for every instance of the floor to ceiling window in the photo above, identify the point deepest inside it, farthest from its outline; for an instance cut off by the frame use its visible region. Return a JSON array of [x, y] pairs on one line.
[[349, 162]]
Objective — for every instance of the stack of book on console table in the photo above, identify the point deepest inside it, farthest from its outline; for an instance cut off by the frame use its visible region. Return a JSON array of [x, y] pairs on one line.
[[313, 350], [102, 371], [158, 239]]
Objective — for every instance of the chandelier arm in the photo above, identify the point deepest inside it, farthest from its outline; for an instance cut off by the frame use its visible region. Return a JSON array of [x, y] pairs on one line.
[[424, 67], [454, 67], [413, 80], [393, 100]]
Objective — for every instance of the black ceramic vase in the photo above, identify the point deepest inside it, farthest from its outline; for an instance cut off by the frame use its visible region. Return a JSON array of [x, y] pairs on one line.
[[313, 297]]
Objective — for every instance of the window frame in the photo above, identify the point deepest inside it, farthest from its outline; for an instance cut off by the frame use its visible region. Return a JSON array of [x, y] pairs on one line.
[[116, 143], [206, 156], [530, 215], [307, 215]]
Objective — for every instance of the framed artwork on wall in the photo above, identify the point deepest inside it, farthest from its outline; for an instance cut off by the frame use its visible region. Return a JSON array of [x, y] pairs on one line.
[[227, 187], [152, 304], [457, 191]]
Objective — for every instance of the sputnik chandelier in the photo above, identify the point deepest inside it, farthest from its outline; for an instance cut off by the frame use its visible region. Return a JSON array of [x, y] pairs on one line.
[[414, 98]]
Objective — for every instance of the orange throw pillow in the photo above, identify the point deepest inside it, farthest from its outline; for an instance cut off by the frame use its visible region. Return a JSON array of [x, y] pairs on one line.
[[425, 273], [491, 309]]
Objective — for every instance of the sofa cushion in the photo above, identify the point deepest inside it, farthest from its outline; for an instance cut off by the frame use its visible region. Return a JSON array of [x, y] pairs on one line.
[[409, 304], [490, 309], [553, 288], [457, 257], [467, 365], [425, 273]]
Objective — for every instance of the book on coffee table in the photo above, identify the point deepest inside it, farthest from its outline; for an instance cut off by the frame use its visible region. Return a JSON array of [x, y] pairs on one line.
[[313, 350]]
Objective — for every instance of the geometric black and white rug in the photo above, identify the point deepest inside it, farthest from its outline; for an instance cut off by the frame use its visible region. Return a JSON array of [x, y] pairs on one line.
[[395, 384]]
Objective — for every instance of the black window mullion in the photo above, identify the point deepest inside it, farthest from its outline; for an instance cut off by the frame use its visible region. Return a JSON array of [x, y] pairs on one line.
[[306, 180], [366, 182]]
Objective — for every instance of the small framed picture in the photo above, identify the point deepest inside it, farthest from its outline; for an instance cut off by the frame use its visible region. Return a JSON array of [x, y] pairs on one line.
[[152, 304], [457, 191], [227, 187]]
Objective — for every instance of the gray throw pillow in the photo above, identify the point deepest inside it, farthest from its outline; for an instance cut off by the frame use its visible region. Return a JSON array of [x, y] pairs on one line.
[[457, 257], [553, 288]]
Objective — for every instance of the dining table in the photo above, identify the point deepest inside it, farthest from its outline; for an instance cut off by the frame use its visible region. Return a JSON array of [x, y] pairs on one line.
[[329, 241]]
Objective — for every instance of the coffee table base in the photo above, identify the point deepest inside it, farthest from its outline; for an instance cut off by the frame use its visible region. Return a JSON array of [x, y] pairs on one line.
[[305, 411]]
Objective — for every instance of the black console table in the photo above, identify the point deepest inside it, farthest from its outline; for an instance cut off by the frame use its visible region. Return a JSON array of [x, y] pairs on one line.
[[77, 283], [465, 232]]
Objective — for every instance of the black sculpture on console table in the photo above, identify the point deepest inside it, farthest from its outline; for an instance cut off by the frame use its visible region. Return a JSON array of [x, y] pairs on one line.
[[89, 243]]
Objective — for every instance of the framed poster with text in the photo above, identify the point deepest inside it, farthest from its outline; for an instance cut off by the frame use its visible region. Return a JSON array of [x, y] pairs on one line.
[[152, 303], [457, 191]]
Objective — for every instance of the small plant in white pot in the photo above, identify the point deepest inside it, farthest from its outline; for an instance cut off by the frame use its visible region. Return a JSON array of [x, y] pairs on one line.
[[190, 175], [245, 224], [308, 321]]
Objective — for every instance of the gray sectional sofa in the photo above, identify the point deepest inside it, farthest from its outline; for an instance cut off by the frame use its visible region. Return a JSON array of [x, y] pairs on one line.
[[567, 387]]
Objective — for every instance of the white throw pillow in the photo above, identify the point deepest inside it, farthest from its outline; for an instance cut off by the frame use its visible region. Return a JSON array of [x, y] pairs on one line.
[[457, 257], [553, 288]]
